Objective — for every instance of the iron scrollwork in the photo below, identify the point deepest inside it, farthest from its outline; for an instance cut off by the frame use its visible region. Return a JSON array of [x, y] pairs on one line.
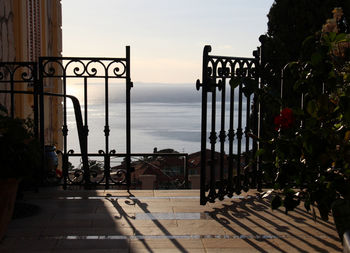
[[20, 78], [84, 67]]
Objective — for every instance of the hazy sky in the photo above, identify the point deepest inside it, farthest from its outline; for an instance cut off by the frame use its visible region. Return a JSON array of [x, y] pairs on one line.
[[166, 36]]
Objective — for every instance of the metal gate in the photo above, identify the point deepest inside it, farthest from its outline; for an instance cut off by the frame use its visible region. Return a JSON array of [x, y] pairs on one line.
[[231, 84], [34, 77]]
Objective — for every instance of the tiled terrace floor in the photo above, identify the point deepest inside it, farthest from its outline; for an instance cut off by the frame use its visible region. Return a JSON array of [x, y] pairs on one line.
[[163, 221]]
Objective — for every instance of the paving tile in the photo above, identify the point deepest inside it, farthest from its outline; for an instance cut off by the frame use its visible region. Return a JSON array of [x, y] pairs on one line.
[[68, 223], [234, 244], [72, 231], [154, 209], [190, 209], [180, 244], [243, 230], [151, 200], [240, 250], [165, 250], [135, 193], [78, 216], [185, 201], [197, 227], [27, 251], [24, 231], [109, 223], [172, 193], [131, 222], [311, 245], [33, 244], [116, 211], [126, 250], [92, 244], [154, 230], [154, 223]]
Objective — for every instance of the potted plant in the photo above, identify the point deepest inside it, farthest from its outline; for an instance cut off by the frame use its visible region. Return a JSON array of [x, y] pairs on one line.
[[307, 153], [20, 159]]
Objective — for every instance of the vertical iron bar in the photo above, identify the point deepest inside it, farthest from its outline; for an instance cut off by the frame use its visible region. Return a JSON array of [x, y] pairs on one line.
[[222, 138], [186, 171], [106, 128], [213, 137], [65, 170], [239, 140], [41, 116], [65, 132], [203, 172], [247, 140], [12, 98], [247, 128], [106, 131], [35, 98], [85, 101], [255, 121], [128, 119], [86, 127], [85, 131], [231, 137], [255, 118], [203, 198], [259, 108], [107, 169]]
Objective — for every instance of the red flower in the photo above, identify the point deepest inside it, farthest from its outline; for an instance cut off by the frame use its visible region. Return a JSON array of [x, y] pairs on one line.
[[284, 120]]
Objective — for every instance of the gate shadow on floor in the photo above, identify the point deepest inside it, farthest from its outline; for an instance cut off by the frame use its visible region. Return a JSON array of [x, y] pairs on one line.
[[133, 201], [296, 231]]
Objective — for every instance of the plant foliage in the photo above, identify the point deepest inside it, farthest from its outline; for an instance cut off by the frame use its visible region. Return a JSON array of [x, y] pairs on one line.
[[20, 155]]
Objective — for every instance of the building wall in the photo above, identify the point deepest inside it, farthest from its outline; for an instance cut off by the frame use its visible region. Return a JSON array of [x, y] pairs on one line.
[[7, 44], [30, 29]]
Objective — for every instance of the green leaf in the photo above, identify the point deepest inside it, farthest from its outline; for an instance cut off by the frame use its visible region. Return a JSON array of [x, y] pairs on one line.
[[260, 152], [332, 36], [312, 108], [340, 37], [347, 172]]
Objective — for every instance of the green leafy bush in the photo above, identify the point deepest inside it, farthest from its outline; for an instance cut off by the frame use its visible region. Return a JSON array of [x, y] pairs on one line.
[[307, 154]]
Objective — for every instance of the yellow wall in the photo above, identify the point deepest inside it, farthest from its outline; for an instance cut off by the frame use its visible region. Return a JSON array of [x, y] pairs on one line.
[[45, 18]]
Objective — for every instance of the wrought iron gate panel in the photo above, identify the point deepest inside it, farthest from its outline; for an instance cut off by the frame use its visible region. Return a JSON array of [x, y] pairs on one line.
[[242, 74], [25, 75], [86, 69]]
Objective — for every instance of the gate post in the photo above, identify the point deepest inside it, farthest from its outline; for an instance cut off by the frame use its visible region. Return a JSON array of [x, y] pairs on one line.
[[204, 84], [129, 85]]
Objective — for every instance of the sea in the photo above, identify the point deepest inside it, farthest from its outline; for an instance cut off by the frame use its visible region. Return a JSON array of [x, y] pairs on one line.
[[163, 116]]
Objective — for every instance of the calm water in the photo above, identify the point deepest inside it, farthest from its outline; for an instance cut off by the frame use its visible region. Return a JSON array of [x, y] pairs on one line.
[[162, 116], [161, 125]]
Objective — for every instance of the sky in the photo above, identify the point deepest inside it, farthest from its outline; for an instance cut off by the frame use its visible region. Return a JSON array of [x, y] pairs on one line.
[[166, 37]]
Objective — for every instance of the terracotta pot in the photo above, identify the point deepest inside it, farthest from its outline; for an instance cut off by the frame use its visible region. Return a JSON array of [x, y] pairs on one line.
[[341, 215], [8, 191]]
